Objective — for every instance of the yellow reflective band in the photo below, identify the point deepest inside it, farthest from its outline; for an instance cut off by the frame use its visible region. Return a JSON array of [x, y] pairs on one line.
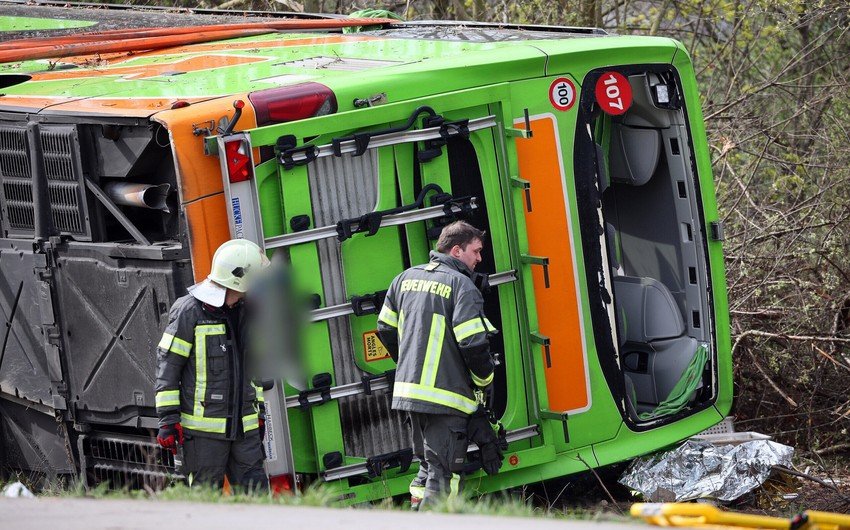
[[417, 491], [400, 323], [434, 395], [201, 334], [197, 423], [490, 327], [180, 347], [388, 316], [168, 398], [454, 486], [175, 345], [434, 350], [259, 391], [481, 382], [469, 328], [250, 422], [210, 329]]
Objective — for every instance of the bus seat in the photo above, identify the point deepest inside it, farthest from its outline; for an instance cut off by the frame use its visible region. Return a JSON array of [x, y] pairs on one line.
[[634, 154], [649, 308], [653, 346]]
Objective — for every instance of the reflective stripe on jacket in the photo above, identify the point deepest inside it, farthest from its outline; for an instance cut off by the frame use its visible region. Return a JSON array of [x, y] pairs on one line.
[[436, 314], [200, 380]]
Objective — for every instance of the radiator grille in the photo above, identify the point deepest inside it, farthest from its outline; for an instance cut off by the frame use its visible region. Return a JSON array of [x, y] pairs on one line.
[[126, 462], [63, 170]]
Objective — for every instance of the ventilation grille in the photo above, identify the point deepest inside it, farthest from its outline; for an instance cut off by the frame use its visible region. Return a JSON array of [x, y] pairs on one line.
[[14, 160], [18, 194], [126, 463], [15, 171], [63, 170], [64, 178]]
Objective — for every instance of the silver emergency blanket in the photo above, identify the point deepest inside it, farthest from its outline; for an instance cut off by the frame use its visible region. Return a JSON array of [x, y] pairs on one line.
[[700, 469]]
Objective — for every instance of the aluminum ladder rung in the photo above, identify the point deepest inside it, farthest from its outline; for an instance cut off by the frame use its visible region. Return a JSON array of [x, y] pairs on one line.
[[316, 234], [361, 469], [341, 310], [402, 137], [337, 392]]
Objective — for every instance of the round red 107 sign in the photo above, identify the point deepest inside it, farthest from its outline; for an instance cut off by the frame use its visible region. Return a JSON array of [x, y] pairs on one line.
[[613, 93], [562, 94]]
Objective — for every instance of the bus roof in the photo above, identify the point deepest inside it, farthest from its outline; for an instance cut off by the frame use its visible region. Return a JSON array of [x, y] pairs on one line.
[[447, 55]]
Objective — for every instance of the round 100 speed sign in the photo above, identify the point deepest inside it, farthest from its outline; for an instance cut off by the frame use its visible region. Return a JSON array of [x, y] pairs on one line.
[[562, 94]]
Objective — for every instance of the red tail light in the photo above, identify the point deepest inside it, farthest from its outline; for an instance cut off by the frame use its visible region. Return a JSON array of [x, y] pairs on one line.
[[239, 167], [290, 103]]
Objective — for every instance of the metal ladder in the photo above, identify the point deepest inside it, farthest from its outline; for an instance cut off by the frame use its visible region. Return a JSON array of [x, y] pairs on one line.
[[245, 221]]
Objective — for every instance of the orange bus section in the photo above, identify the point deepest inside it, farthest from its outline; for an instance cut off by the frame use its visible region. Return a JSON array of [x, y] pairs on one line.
[[550, 235], [201, 188]]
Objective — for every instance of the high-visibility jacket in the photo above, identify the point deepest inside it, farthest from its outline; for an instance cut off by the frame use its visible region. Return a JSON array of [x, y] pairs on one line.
[[432, 321], [201, 380]]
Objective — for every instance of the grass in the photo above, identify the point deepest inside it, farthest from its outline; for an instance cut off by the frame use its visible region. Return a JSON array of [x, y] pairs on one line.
[[313, 496], [498, 504]]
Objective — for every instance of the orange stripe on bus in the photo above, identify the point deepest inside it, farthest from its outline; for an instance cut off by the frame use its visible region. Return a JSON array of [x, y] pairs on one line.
[[547, 226], [137, 107], [256, 45], [181, 65]]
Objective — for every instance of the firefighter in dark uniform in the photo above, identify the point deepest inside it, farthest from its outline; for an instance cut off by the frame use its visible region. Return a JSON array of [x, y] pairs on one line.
[[433, 324], [205, 399]]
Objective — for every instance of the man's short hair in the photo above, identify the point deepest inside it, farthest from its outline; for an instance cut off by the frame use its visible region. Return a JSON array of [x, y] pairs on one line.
[[458, 233]]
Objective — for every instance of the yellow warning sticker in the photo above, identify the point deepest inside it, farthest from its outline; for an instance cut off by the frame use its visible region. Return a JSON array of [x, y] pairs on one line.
[[374, 348]]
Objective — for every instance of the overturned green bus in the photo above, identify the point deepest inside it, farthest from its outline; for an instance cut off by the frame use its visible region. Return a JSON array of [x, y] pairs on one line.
[[582, 154]]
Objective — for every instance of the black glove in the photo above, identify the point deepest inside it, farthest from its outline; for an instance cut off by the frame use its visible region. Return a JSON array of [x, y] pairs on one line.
[[490, 445], [479, 428], [482, 281], [491, 458]]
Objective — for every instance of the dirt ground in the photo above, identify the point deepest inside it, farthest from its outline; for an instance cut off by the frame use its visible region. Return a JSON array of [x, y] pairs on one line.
[[785, 496], [781, 496]]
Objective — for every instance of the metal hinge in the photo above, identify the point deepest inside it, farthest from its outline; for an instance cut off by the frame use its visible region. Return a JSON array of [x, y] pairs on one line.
[[717, 231], [539, 260]]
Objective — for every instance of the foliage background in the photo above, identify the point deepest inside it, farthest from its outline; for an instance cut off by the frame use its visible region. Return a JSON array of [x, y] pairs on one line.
[[774, 82]]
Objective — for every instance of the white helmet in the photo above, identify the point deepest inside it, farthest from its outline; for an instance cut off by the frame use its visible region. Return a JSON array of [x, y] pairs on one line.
[[234, 265], [236, 262]]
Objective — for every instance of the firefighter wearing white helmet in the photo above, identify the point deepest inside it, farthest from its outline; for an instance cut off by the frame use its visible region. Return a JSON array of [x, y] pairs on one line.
[[206, 402]]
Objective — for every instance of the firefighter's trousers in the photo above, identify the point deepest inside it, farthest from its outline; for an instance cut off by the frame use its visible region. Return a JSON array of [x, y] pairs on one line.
[[208, 459], [439, 442]]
